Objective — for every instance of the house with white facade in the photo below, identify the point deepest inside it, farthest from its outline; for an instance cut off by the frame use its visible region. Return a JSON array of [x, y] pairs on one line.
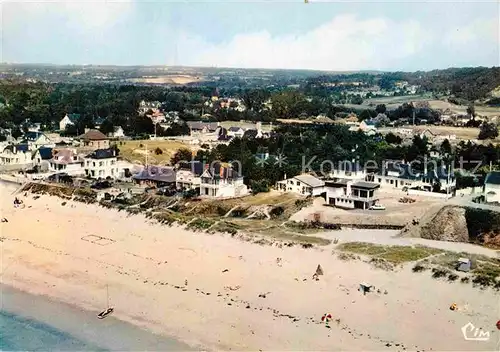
[[350, 170], [396, 175], [68, 119], [16, 155], [492, 187], [219, 181], [145, 106], [235, 132], [42, 157], [36, 140], [304, 184], [188, 174], [118, 132], [351, 194], [102, 163], [66, 160]]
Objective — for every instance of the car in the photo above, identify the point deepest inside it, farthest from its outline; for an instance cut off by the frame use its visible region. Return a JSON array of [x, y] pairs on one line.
[[377, 207], [38, 177]]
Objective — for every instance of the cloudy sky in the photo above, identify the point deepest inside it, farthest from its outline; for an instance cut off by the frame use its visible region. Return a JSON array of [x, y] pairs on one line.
[[325, 35]]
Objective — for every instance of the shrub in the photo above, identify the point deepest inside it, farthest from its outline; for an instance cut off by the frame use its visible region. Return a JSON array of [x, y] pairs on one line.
[[158, 151], [418, 268]]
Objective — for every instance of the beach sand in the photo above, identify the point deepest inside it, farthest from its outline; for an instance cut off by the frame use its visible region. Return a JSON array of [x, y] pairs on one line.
[[49, 249]]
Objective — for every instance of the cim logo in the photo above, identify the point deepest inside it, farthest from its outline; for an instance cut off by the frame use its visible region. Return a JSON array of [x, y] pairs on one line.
[[471, 333]]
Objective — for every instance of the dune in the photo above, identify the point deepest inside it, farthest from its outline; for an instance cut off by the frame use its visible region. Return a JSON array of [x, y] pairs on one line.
[[216, 292]]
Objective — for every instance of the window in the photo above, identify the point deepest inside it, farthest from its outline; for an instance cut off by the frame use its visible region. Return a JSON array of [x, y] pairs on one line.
[[298, 183], [379, 180]]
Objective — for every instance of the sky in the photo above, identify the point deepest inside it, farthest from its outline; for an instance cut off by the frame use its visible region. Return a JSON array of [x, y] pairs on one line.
[[322, 35]]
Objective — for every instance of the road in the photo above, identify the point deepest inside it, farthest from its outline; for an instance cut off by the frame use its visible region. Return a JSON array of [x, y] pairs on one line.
[[466, 201]]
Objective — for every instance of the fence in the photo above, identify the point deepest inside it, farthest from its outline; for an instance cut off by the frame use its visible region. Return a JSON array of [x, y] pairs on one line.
[[414, 192]]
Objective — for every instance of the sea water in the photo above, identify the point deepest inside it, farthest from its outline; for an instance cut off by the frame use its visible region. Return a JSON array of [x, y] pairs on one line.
[[23, 334]]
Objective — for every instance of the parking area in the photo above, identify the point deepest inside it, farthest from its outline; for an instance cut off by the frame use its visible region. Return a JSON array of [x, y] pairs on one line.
[[395, 213]]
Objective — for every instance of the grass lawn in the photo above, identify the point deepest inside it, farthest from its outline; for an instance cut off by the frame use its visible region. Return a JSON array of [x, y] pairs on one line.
[[135, 151], [392, 254]]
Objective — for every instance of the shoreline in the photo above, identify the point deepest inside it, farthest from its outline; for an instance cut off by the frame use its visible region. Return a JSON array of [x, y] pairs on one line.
[[206, 289], [109, 334]]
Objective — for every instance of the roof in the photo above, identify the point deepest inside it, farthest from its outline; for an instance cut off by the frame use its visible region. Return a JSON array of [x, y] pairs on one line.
[[23, 148], [64, 156], [93, 135], [196, 167], [310, 180], [102, 154], [342, 183], [197, 125], [73, 117], [32, 136], [217, 171], [404, 171], [45, 153], [157, 174], [224, 137], [366, 185], [493, 178]]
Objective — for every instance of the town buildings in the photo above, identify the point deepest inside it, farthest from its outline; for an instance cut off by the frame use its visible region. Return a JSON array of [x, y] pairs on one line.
[[94, 139], [492, 187], [349, 194], [102, 163], [222, 182], [66, 160], [68, 119], [304, 184], [15, 155], [188, 175]]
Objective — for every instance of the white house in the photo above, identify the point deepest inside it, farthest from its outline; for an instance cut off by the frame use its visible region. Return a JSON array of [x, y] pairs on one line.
[[102, 163], [395, 175], [118, 132], [42, 157], [304, 184], [37, 139], [68, 119], [16, 155], [348, 170], [66, 160], [188, 175], [351, 194], [492, 187], [235, 132], [222, 182]]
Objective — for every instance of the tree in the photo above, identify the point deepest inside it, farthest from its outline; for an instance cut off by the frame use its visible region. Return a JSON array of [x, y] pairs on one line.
[[488, 131], [107, 127], [380, 109], [364, 115], [16, 133], [391, 138], [357, 100], [471, 111], [158, 151], [183, 154], [446, 147]]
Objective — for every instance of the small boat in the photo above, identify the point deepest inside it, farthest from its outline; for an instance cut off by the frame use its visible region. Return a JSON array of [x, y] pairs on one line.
[[105, 313]]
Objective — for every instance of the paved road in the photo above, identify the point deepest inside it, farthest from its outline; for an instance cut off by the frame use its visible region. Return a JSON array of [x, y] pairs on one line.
[[466, 201]]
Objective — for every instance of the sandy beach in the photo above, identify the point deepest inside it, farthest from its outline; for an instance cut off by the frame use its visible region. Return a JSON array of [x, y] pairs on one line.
[[204, 289]]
